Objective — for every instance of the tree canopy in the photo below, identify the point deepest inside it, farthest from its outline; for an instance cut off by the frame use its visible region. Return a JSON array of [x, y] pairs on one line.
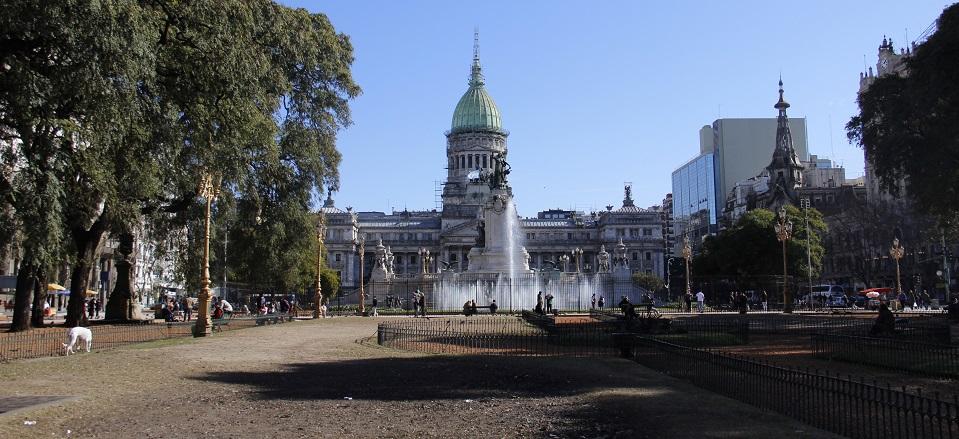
[[111, 110], [750, 248], [907, 123]]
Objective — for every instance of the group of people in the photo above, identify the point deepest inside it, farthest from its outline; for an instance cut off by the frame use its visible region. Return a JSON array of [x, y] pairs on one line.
[[594, 301], [914, 300], [173, 308], [419, 304], [470, 308], [94, 306], [548, 309]]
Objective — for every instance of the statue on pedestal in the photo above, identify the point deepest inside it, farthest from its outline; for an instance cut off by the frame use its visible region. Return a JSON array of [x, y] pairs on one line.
[[603, 257]]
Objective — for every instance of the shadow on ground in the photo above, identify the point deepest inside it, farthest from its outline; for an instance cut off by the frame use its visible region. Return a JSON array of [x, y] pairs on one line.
[[421, 378]]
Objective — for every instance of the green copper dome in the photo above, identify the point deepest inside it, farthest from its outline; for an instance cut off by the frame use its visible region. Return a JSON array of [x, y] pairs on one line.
[[476, 110]]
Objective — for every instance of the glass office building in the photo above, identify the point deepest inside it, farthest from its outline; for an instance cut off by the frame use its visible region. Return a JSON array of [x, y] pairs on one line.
[[695, 201]]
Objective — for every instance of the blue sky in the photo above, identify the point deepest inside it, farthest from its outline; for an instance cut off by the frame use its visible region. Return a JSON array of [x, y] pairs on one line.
[[598, 93]]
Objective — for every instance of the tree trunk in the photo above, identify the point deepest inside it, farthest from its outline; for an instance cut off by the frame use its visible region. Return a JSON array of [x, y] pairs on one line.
[[123, 304], [39, 298], [26, 278], [87, 243]]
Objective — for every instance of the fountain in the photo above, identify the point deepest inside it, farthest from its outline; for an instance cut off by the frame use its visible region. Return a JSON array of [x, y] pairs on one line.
[[499, 263]]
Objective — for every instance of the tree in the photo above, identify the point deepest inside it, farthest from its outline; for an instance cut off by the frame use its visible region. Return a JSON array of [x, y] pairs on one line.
[[650, 282], [112, 110], [750, 248], [330, 282], [907, 123]]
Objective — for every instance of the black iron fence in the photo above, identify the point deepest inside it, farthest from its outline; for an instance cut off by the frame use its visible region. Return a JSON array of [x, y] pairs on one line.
[[496, 336], [899, 354], [840, 405], [47, 342]]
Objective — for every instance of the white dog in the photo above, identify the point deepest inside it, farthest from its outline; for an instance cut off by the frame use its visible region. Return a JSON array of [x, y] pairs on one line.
[[78, 333]]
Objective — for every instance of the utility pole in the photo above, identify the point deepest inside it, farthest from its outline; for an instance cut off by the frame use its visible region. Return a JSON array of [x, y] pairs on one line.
[[805, 205], [945, 266]]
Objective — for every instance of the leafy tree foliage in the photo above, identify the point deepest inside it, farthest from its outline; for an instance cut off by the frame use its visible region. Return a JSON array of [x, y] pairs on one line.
[[111, 110], [750, 247], [650, 282], [907, 123]]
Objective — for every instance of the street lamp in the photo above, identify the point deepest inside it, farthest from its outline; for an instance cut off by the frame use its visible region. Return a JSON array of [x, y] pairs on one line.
[[318, 298], [896, 252], [687, 255], [784, 230], [425, 259], [564, 259], [362, 250], [578, 254], [208, 189], [805, 206]]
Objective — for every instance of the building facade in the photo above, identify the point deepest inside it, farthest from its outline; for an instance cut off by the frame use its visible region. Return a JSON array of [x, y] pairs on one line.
[[475, 138]]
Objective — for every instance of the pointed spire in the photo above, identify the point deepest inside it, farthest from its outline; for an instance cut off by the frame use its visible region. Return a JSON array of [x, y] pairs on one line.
[[782, 105], [476, 71]]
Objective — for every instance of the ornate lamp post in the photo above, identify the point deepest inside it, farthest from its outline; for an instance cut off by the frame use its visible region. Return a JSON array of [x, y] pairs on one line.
[[564, 259], [209, 190], [784, 230], [362, 250], [896, 252], [578, 254], [687, 255], [318, 298], [805, 206]]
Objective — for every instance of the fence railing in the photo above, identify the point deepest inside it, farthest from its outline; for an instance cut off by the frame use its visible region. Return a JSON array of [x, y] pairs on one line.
[[47, 342], [495, 336], [841, 405], [898, 354]]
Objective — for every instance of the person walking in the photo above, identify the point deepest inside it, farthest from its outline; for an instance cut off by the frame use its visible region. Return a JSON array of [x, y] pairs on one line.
[[423, 304], [688, 297], [187, 309], [97, 305], [373, 308], [592, 302], [90, 307], [549, 303], [764, 298], [539, 303], [700, 299], [601, 302]]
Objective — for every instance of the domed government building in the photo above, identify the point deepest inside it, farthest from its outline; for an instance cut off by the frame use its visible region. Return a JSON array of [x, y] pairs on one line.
[[557, 240]]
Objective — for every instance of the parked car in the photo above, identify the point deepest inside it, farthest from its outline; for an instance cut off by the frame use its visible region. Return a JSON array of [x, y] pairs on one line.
[[837, 300], [821, 295]]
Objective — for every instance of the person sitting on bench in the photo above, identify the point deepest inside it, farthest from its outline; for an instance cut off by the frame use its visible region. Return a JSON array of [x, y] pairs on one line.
[[493, 307], [885, 322]]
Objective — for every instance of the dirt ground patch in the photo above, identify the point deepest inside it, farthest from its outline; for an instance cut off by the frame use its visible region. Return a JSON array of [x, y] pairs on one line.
[[318, 379], [796, 352]]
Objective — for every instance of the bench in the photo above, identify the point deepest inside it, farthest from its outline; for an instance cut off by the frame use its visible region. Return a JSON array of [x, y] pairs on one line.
[[266, 319], [473, 310]]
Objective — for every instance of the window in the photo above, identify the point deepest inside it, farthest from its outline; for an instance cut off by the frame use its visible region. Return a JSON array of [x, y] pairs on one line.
[[587, 235], [484, 160], [635, 256], [453, 257], [633, 233], [413, 259], [647, 232], [469, 161], [649, 256], [338, 257], [569, 236], [620, 232]]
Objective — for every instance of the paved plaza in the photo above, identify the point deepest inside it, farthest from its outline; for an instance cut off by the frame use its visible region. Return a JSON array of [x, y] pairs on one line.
[[327, 379]]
